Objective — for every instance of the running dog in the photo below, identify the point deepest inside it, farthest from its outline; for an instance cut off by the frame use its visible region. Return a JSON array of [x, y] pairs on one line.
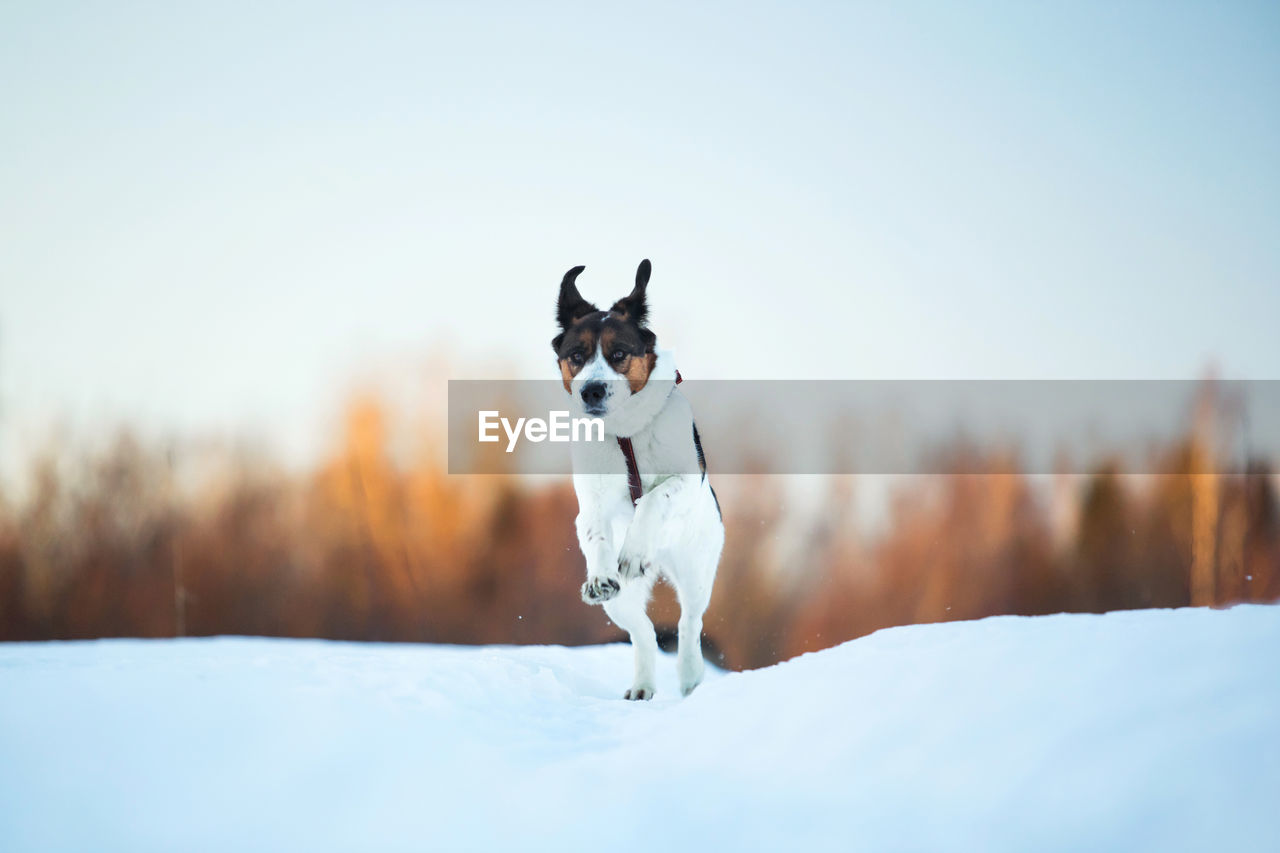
[[645, 507]]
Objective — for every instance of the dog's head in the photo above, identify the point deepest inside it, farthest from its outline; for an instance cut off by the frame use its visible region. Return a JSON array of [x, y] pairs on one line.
[[603, 354]]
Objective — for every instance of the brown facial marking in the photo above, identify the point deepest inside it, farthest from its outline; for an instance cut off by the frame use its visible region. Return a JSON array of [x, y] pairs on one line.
[[580, 338], [608, 340], [636, 365], [637, 370]]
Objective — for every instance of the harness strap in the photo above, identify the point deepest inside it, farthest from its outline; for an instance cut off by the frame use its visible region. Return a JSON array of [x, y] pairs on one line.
[[633, 470]]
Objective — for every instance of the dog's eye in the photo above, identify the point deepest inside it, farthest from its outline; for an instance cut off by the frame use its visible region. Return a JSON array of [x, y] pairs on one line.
[[619, 355], [575, 357]]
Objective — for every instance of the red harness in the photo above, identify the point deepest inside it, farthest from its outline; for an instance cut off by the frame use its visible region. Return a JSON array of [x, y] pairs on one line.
[[633, 470]]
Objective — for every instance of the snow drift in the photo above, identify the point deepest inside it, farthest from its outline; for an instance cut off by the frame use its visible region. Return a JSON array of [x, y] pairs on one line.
[[1144, 730]]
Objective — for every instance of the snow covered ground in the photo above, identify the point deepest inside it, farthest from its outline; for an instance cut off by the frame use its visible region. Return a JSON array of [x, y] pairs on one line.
[[1155, 730]]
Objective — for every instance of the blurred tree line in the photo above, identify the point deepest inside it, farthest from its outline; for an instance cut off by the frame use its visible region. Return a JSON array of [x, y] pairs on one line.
[[131, 541]]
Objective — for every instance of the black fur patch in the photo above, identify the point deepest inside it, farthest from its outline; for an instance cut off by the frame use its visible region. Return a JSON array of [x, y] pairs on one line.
[[634, 305], [584, 326], [570, 306]]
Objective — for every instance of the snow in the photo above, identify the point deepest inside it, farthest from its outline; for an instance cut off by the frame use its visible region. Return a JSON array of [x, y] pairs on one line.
[[1155, 730]]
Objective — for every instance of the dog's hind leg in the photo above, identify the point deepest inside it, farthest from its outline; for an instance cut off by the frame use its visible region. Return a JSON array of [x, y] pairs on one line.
[[627, 610], [693, 588]]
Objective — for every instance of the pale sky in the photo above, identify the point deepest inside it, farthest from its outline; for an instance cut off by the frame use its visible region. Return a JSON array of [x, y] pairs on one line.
[[215, 218]]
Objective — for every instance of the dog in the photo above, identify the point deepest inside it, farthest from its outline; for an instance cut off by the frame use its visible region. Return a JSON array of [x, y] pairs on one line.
[[645, 506]]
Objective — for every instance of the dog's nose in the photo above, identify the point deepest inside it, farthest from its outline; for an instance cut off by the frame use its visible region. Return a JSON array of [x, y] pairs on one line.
[[593, 394]]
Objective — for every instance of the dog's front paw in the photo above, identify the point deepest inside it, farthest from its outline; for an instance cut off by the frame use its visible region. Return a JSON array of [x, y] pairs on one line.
[[639, 692], [634, 564], [599, 590]]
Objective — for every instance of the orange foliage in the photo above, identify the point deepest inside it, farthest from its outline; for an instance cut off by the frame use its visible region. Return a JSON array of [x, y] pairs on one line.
[[367, 547]]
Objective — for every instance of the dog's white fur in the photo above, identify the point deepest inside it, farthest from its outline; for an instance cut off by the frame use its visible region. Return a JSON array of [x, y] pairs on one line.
[[674, 530]]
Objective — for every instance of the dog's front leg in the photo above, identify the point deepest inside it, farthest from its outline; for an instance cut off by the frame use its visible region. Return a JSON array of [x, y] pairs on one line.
[[654, 512], [595, 538]]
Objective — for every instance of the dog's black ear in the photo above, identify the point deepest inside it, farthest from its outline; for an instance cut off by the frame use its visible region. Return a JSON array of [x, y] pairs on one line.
[[571, 305], [635, 306]]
